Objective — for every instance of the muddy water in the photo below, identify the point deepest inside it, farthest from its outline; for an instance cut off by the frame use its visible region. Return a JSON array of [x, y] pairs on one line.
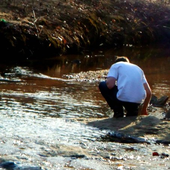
[[38, 109]]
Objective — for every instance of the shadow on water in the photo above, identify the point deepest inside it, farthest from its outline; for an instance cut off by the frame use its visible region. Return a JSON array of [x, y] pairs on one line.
[[112, 124], [130, 125]]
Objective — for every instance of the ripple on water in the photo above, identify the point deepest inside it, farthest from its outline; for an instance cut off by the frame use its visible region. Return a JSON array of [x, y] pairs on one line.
[[38, 127]]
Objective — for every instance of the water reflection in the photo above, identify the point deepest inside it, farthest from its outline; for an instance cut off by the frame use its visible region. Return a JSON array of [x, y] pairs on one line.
[[43, 85], [47, 77], [155, 63]]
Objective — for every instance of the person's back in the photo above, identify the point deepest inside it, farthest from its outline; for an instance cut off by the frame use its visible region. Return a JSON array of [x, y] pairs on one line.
[[130, 79]]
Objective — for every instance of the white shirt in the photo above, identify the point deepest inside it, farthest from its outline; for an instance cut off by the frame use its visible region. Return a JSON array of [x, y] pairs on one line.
[[130, 79]]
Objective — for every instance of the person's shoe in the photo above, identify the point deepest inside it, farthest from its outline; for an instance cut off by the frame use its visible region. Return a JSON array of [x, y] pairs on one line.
[[132, 114], [118, 115]]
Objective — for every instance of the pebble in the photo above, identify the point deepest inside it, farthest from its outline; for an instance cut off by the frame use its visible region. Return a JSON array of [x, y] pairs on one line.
[[8, 165]]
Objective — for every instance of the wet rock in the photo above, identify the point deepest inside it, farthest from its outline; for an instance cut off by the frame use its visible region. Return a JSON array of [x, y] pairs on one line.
[[122, 138], [151, 131], [155, 154], [77, 156], [162, 155], [159, 102], [167, 115], [165, 142], [125, 138], [89, 76], [105, 155], [149, 121], [8, 165], [28, 168]]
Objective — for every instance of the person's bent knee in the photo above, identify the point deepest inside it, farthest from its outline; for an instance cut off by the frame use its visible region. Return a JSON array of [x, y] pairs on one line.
[[102, 86]]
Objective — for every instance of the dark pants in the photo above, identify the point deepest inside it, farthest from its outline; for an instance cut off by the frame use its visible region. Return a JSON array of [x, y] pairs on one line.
[[115, 104]]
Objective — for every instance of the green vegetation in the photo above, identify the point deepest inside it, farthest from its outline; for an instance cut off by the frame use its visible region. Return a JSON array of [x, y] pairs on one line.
[[35, 28]]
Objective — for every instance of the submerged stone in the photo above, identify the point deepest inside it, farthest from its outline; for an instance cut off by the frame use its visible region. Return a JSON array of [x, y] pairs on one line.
[[159, 102], [167, 115], [8, 165], [28, 168]]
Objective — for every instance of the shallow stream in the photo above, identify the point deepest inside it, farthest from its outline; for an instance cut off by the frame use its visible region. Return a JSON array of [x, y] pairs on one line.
[[39, 110]]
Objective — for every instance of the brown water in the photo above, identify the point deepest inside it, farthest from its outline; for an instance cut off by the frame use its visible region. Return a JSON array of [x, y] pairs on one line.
[[38, 108]]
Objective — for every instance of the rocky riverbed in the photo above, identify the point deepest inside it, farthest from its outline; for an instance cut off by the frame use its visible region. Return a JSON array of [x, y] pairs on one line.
[[87, 145], [45, 125]]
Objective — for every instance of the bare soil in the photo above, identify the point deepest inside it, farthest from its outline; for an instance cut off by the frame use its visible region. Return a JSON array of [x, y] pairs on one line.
[[35, 29]]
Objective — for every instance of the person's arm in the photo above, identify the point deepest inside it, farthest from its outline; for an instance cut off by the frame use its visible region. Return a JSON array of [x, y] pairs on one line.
[[143, 110], [110, 82]]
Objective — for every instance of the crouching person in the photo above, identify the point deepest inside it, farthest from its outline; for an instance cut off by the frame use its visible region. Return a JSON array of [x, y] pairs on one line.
[[126, 86]]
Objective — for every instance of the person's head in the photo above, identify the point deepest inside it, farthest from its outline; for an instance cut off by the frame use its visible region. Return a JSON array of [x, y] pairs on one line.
[[121, 58]]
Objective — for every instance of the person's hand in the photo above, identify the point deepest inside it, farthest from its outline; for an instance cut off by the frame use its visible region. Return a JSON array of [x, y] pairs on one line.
[[142, 111]]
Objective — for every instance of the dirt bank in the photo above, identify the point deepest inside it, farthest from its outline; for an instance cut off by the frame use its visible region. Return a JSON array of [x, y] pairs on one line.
[[36, 29]]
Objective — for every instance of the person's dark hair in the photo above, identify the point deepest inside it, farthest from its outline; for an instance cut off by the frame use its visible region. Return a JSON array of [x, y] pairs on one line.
[[121, 58]]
